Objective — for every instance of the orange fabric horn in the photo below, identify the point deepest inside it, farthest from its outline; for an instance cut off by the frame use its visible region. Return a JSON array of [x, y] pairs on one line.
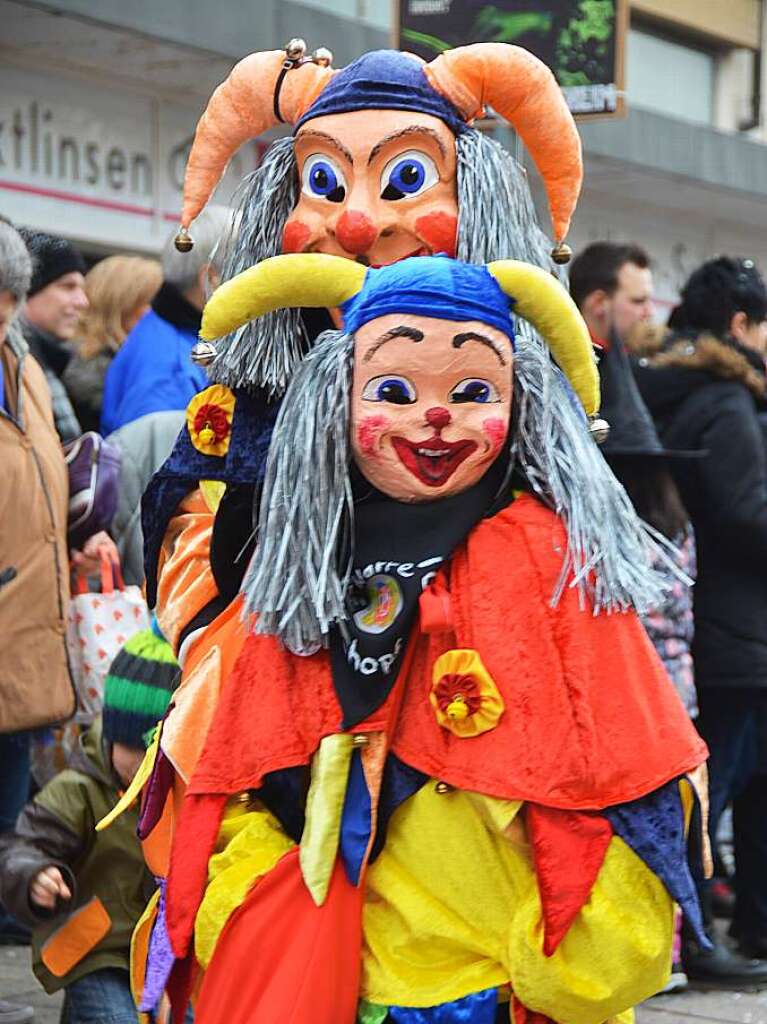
[[523, 90], [241, 108]]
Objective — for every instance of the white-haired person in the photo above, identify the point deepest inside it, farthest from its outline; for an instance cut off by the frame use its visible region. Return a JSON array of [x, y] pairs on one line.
[[35, 687], [153, 371]]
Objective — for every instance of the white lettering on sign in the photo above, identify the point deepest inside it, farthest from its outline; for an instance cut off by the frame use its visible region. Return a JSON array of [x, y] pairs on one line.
[[591, 99], [31, 142], [429, 7], [67, 146]]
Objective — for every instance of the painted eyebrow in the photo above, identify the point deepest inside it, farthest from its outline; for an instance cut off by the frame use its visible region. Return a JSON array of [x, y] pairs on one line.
[[311, 133], [413, 129], [460, 339], [396, 332]]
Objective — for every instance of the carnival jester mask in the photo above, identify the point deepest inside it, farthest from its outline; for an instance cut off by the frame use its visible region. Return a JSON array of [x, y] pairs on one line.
[[384, 164], [432, 356], [375, 142], [432, 378]]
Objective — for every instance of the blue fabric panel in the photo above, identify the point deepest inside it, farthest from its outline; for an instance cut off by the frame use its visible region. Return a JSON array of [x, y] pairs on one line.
[[653, 827], [399, 782], [355, 820], [478, 1008], [245, 462], [383, 80]]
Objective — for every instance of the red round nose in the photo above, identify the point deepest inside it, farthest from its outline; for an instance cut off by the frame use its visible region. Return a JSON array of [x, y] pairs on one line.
[[438, 417], [355, 231]]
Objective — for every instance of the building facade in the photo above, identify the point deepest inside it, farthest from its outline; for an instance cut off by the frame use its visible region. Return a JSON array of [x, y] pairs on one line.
[[98, 104]]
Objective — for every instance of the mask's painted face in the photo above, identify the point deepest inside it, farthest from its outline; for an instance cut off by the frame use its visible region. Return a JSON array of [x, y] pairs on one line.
[[376, 186], [431, 402]]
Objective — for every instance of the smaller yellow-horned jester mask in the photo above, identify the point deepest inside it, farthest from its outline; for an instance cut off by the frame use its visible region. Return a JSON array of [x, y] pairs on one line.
[[433, 356]]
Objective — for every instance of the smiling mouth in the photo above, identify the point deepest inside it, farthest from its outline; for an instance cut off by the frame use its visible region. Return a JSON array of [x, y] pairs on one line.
[[435, 460]]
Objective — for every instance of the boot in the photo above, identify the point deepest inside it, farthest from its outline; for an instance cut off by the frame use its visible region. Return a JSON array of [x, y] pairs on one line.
[[722, 967]]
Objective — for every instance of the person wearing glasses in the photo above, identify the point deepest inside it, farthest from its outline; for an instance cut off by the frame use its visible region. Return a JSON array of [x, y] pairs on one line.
[[704, 382]]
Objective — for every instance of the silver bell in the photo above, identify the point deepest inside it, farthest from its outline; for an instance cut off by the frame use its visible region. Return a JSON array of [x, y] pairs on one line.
[[323, 56], [295, 49], [599, 429], [203, 353]]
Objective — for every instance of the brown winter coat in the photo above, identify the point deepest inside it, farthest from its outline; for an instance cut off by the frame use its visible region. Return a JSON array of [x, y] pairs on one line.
[[35, 684]]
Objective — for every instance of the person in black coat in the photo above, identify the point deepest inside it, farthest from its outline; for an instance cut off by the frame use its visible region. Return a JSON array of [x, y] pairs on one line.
[[705, 386]]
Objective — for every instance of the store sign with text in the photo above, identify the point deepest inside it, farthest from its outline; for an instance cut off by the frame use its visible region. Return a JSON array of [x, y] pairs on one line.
[[582, 41], [94, 163]]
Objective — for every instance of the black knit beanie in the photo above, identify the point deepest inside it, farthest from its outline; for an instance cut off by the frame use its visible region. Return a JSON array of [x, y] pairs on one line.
[[52, 258]]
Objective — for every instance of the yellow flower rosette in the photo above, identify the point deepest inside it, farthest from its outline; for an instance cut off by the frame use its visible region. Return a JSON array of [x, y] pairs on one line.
[[209, 420], [464, 697]]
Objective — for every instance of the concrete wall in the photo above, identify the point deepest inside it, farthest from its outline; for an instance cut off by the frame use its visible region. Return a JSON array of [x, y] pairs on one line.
[[238, 27]]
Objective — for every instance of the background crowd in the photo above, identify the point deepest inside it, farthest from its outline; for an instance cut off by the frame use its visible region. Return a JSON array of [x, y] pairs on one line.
[[108, 350]]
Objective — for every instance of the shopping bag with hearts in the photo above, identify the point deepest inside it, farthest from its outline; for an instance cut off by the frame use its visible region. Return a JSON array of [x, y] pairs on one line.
[[98, 626]]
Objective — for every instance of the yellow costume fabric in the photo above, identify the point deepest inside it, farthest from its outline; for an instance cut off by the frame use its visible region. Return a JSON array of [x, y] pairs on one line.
[[249, 845], [453, 908]]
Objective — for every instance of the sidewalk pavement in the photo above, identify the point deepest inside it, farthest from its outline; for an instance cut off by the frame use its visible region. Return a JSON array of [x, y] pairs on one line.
[[18, 984]]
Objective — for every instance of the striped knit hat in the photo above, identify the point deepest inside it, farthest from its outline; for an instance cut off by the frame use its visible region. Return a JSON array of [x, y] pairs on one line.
[[138, 688]]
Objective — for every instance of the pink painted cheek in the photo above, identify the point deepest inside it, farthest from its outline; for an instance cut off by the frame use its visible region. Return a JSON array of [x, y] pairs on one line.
[[295, 236], [495, 430], [369, 429], [438, 230]]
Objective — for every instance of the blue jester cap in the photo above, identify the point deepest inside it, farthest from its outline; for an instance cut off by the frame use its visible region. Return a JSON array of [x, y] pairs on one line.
[[383, 80], [432, 286]]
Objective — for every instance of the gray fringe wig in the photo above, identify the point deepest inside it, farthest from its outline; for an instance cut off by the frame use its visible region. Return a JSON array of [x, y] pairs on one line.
[[298, 576]]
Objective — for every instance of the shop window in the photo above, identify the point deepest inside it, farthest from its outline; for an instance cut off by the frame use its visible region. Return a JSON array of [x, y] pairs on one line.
[[669, 77]]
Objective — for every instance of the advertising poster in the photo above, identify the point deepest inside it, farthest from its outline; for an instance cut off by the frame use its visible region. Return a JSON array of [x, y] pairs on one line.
[[580, 40]]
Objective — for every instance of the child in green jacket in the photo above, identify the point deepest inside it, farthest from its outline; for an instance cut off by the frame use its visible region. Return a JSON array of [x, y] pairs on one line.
[[82, 891]]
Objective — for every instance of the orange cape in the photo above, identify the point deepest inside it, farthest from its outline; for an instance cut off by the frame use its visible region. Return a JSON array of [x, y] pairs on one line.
[[591, 718]]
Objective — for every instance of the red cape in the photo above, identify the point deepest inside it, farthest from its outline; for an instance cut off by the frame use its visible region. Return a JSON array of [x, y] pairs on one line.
[[591, 717]]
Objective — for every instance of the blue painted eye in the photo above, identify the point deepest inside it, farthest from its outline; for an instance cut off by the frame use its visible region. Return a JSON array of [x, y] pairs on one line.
[[408, 175], [474, 389], [322, 177], [389, 388]]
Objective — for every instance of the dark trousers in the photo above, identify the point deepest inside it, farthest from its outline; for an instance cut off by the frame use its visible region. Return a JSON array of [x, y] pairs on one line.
[[731, 722], [103, 997], [14, 792]]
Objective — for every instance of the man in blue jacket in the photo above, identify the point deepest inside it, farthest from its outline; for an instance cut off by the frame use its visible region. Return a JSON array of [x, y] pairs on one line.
[[153, 371]]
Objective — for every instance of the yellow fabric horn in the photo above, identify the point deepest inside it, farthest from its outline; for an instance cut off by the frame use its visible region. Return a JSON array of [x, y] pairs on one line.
[[541, 299], [282, 282]]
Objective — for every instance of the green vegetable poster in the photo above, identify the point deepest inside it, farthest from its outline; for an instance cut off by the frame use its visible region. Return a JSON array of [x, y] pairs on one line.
[[580, 40]]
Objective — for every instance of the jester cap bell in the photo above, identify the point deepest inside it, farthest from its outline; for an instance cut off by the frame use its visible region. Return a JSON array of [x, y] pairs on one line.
[[384, 80]]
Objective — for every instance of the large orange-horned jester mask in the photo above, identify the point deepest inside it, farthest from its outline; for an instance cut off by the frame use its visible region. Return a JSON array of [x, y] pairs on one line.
[[383, 165]]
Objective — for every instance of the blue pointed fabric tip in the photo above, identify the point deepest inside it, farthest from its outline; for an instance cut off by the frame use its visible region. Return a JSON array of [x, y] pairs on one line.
[[400, 781], [653, 827], [356, 823], [477, 1008]]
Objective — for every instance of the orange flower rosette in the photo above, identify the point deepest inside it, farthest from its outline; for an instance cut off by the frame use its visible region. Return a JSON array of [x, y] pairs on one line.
[[464, 697], [209, 420]]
